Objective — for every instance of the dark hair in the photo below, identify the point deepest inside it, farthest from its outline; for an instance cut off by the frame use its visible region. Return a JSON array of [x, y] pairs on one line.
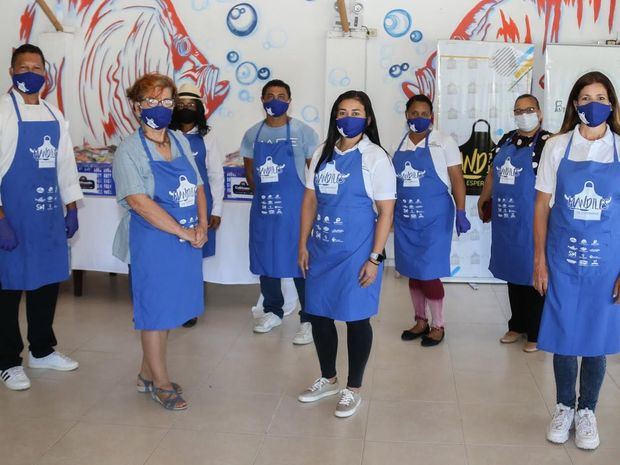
[[276, 83], [200, 122], [522, 96], [419, 98], [26, 48], [571, 119], [332, 133]]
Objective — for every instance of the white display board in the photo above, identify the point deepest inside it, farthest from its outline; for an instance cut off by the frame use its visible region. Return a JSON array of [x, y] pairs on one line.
[[562, 69], [478, 80]]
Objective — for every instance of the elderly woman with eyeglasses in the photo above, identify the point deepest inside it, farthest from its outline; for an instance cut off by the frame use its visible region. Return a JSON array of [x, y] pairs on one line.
[[163, 231]]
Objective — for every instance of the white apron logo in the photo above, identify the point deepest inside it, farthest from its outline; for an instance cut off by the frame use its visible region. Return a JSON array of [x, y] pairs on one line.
[[329, 178], [269, 171], [587, 205], [185, 195], [45, 154], [508, 172], [410, 176]]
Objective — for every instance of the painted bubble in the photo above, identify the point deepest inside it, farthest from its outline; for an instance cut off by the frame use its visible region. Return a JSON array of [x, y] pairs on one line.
[[264, 73], [400, 107], [232, 57], [395, 71], [416, 36], [338, 77], [245, 96], [397, 22], [199, 5], [404, 67], [310, 114], [246, 73], [242, 19], [276, 38]]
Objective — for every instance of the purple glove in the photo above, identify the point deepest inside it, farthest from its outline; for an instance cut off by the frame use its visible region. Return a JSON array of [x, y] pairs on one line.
[[462, 223], [8, 239], [71, 222]]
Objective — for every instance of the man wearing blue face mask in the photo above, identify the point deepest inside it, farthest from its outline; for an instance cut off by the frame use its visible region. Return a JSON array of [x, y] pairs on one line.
[[38, 182], [276, 152]]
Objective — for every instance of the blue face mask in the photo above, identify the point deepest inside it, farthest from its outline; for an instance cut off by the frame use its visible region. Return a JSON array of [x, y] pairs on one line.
[[157, 117], [351, 126], [419, 124], [28, 82], [275, 107], [594, 114]]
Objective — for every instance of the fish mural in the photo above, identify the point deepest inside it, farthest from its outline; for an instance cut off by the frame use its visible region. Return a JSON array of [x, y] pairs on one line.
[[152, 38], [487, 20]]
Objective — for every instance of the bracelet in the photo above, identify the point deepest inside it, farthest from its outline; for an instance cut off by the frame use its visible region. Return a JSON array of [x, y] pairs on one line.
[[373, 262]]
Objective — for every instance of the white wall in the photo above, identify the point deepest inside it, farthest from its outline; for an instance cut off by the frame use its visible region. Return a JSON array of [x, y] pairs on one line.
[[289, 39]]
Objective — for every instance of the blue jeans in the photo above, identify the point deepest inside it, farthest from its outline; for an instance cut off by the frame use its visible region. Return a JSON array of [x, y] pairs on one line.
[[590, 380], [273, 302]]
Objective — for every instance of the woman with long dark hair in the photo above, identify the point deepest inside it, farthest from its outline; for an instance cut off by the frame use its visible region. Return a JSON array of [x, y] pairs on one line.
[[189, 117], [577, 245], [342, 241]]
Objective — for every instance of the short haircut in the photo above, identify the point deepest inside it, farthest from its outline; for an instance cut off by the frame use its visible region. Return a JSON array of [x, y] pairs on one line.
[[26, 48], [419, 98], [522, 96], [147, 83], [276, 83]]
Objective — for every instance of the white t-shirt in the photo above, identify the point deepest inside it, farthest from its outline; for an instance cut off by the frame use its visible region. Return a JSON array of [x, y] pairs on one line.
[[68, 183], [215, 170], [600, 150], [377, 170], [444, 152]]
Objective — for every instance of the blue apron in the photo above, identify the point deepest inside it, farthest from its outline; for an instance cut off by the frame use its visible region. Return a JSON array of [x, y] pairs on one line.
[[583, 246], [199, 150], [276, 210], [424, 216], [341, 242], [166, 271], [514, 195], [32, 204]]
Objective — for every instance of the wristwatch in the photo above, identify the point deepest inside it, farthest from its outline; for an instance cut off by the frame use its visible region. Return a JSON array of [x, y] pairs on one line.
[[377, 257]]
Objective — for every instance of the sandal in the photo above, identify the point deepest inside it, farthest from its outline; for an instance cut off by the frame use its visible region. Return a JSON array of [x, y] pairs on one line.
[[173, 401], [147, 385]]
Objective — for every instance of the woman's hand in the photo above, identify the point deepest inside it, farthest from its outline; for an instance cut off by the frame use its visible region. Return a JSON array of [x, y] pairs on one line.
[[368, 274], [303, 260], [201, 236], [541, 276], [186, 234], [616, 294], [215, 222]]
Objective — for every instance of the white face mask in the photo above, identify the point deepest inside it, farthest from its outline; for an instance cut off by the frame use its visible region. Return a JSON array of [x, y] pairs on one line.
[[527, 122]]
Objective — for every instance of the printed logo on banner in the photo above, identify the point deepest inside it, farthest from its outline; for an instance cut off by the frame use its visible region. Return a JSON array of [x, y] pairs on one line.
[[185, 195], [587, 205], [45, 154], [410, 176], [329, 178], [269, 171], [508, 172]]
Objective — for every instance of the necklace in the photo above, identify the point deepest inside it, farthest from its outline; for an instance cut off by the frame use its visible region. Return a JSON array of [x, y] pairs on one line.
[[163, 143]]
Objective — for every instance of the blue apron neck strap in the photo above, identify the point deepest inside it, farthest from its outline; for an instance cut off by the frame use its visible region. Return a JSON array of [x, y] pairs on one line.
[[288, 130], [407, 135], [402, 141], [568, 147], [176, 142], [144, 144], [426, 139], [19, 115], [260, 128], [613, 137]]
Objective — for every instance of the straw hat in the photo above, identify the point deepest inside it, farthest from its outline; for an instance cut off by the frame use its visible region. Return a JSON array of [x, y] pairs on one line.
[[188, 89]]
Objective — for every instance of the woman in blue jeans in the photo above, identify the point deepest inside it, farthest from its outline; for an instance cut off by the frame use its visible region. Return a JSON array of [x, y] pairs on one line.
[[577, 244]]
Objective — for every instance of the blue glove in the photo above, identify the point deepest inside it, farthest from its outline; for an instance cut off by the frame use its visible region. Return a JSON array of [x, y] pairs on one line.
[[462, 223], [8, 239], [71, 222]]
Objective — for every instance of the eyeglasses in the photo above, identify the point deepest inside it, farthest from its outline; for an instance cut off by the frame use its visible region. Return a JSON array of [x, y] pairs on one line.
[[524, 111], [186, 105], [153, 102]]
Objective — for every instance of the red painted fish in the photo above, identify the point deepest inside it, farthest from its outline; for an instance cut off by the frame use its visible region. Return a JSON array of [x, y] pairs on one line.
[[120, 41]]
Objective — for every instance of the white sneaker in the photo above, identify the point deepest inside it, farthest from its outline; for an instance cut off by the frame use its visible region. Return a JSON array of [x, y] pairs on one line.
[[15, 378], [320, 388], [586, 432], [304, 334], [289, 311], [267, 322], [348, 403], [560, 425], [54, 361], [257, 312]]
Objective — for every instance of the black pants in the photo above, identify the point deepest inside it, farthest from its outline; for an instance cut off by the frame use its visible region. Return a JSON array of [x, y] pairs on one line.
[[40, 309], [273, 300], [526, 305], [359, 343]]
